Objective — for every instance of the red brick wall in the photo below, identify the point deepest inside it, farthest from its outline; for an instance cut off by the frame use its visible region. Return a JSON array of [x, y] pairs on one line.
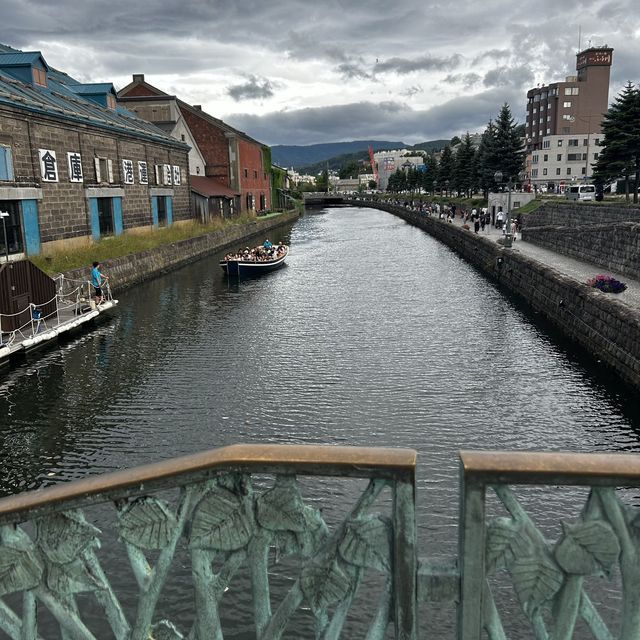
[[254, 176], [139, 90], [213, 145]]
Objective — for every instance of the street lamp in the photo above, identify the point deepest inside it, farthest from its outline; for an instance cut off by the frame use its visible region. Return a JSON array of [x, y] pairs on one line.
[[3, 215], [508, 233], [446, 185]]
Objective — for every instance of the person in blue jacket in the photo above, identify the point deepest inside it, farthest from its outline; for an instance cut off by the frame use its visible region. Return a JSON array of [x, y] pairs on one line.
[[267, 244], [97, 278]]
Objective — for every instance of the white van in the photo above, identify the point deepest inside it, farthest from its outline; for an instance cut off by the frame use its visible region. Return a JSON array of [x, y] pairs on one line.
[[581, 192]]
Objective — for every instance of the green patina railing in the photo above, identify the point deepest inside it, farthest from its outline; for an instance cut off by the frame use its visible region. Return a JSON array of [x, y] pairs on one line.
[[241, 509]]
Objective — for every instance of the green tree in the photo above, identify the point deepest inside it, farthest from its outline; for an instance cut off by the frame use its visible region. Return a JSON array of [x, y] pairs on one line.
[[487, 159], [397, 181], [446, 167], [349, 170], [373, 184], [430, 174], [620, 156], [322, 181], [463, 169], [509, 150], [454, 141]]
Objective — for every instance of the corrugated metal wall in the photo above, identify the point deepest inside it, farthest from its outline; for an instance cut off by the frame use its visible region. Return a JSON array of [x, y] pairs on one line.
[[22, 283]]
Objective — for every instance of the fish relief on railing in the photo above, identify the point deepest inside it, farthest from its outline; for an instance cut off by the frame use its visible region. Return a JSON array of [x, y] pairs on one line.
[[549, 578], [223, 525]]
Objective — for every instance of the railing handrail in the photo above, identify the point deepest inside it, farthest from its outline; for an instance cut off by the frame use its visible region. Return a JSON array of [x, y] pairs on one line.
[[359, 462], [558, 467]]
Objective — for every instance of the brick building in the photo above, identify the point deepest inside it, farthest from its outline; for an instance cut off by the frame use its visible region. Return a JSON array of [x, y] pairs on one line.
[[234, 169], [74, 165], [563, 128]]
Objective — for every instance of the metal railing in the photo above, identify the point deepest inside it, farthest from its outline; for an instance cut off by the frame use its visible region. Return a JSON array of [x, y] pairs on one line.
[[220, 513], [222, 523]]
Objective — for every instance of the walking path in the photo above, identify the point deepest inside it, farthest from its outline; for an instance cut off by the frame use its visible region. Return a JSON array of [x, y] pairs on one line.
[[576, 269]]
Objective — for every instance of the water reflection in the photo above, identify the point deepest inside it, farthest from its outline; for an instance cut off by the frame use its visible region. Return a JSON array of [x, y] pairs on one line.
[[374, 334]]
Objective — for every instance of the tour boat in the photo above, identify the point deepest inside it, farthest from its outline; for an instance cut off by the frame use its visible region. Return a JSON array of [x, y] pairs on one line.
[[249, 265]]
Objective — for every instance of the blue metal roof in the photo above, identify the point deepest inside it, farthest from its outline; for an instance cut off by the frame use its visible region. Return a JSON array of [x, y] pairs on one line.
[[21, 59], [93, 89], [63, 98]]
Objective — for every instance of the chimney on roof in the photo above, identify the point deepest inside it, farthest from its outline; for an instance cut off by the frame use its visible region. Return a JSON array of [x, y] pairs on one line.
[[198, 107], [138, 77]]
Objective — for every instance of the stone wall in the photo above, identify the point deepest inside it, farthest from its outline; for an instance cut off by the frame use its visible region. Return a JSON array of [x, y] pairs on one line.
[[605, 327], [135, 268], [616, 247], [576, 214]]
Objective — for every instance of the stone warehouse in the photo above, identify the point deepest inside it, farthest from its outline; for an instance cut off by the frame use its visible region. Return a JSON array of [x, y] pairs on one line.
[[75, 166]]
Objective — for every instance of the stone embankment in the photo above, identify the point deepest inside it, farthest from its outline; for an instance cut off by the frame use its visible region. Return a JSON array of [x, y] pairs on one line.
[[135, 268], [608, 236], [605, 327]]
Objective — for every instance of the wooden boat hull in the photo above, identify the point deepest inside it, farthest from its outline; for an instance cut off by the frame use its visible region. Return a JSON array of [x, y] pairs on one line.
[[248, 268]]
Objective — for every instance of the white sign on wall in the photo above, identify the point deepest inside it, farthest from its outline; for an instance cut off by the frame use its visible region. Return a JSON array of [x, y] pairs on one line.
[[167, 173], [74, 161], [143, 175], [176, 174], [48, 165], [127, 171]]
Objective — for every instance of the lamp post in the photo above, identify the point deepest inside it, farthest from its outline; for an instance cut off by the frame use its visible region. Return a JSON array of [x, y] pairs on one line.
[[508, 235], [3, 215], [446, 186]]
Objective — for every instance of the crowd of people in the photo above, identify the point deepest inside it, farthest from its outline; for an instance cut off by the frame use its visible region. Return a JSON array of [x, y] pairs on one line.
[[265, 252], [477, 218]]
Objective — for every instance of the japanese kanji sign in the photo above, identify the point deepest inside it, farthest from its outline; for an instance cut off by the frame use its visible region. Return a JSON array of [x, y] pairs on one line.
[[127, 171], [143, 176], [74, 161], [48, 165], [167, 173], [176, 174]]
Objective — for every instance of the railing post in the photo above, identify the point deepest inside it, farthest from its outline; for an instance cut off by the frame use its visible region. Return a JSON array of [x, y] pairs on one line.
[[471, 553], [405, 565]]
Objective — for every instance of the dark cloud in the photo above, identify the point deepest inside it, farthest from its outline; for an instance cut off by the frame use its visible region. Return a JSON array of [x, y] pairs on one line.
[[389, 120], [518, 77], [351, 70], [424, 63], [412, 91], [254, 88], [467, 80]]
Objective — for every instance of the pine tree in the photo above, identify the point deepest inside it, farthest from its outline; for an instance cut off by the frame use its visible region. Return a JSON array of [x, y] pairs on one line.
[[486, 159], [430, 174], [445, 168], [463, 178], [509, 151], [620, 156]]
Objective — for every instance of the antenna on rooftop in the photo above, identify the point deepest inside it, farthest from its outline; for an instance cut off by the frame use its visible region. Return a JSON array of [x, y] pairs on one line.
[[579, 37]]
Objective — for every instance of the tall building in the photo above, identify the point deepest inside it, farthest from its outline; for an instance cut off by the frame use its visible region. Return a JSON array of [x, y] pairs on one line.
[[564, 121]]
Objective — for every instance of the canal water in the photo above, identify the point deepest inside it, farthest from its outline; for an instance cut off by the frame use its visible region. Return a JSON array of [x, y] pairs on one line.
[[373, 334]]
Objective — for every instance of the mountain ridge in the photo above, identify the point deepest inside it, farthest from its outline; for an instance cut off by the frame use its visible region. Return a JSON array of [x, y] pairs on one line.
[[298, 156]]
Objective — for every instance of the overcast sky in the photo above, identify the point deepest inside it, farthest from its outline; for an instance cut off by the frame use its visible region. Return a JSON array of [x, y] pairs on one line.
[[305, 71]]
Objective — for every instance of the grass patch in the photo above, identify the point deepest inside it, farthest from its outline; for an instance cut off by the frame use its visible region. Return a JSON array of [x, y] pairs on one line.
[[530, 207], [64, 260]]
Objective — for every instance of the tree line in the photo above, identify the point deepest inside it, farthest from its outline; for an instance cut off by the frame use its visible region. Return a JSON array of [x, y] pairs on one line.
[[469, 170]]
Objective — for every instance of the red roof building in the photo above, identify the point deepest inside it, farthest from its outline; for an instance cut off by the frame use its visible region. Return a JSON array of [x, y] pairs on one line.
[[235, 166]]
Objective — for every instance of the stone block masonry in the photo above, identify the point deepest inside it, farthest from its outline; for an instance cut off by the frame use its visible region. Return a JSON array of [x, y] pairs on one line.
[[132, 269], [604, 327]]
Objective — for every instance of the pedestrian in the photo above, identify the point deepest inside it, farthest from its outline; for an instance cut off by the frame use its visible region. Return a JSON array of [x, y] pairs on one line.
[[483, 220], [97, 280]]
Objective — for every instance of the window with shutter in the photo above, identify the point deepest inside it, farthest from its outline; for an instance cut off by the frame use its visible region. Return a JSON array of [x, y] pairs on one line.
[[110, 170], [6, 163]]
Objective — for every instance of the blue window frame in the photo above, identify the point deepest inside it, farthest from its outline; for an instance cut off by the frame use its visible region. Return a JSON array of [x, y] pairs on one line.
[[6, 163]]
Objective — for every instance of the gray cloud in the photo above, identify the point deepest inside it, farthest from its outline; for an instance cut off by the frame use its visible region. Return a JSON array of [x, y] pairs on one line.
[[252, 89], [412, 91], [467, 80], [351, 70], [424, 63], [520, 76], [389, 120]]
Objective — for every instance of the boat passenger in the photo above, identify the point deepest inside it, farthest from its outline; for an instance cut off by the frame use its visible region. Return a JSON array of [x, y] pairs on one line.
[[267, 244]]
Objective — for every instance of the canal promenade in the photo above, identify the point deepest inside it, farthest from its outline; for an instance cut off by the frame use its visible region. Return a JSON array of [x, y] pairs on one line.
[[579, 270]]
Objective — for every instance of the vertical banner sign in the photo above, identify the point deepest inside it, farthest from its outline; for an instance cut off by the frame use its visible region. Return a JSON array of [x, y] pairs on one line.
[[167, 173], [74, 160], [127, 171], [176, 174], [143, 176], [48, 165]]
